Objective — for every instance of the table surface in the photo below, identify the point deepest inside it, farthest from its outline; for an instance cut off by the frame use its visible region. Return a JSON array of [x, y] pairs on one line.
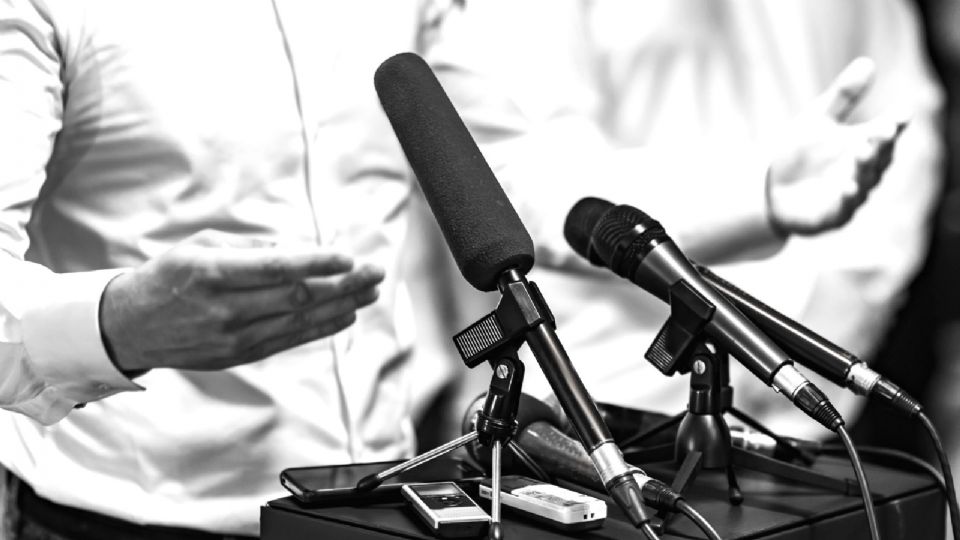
[[770, 505]]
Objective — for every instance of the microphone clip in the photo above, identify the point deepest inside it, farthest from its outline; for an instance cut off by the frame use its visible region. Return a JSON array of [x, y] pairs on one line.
[[673, 347], [520, 310]]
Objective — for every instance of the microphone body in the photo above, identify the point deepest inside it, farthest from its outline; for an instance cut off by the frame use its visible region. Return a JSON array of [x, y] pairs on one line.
[[813, 351], [488, 240], [636, 247]]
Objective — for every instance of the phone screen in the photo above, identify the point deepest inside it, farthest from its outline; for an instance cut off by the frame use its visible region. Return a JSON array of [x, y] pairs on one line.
[[337, 483]]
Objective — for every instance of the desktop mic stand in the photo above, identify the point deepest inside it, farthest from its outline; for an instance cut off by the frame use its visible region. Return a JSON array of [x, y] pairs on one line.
[[495, 338], [703, 437]]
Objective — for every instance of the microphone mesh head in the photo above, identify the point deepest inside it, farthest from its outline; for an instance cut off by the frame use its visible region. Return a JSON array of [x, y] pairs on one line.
[[623, 237], [580, 223]]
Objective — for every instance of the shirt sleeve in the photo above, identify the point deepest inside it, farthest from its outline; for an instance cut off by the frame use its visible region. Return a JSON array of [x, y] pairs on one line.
[[52, 356]]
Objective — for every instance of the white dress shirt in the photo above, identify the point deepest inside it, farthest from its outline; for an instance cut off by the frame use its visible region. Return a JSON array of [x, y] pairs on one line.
[[259, 117], [124, 128]]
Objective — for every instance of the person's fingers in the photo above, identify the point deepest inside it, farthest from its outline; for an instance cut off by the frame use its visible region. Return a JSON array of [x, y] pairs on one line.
[[282, 342], [847, 89], [867, 170], [259, 338], [265, 267], [252, 304], [360, 278], [885, 137], [875, 152], [235, 351]]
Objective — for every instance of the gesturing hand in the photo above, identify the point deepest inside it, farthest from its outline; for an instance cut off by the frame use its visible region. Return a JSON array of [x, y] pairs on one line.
[[824, 169], [214, 301]]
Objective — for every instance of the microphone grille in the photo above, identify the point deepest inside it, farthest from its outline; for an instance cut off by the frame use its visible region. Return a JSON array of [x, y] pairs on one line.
[[580, 223], [623, 237]]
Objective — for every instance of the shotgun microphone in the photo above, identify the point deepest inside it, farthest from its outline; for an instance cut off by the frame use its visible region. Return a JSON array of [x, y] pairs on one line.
[[489, 242]]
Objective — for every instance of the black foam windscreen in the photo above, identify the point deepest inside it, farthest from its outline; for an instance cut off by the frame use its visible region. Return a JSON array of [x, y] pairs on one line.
[[478, 221]]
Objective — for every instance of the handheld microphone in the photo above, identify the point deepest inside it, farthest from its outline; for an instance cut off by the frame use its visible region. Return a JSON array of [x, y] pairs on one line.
[[489, 242], [800, 343], [635, 246]]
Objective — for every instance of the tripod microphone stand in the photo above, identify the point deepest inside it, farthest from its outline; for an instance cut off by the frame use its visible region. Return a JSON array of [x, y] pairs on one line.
[[495, 338], [495, 427], [703, 438]]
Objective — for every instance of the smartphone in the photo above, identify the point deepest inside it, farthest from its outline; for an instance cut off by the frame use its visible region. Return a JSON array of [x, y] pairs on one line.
[[561, 508], [332, 484], [447, 510]]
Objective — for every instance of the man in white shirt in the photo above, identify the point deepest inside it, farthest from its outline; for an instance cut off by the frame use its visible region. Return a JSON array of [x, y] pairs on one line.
[[205, 184], [196, 186]]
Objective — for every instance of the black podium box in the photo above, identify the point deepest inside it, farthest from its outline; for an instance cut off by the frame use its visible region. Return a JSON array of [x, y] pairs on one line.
[[909, 503]]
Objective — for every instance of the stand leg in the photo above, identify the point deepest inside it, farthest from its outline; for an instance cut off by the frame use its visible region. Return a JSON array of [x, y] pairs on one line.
[[495, 532], [372, 481], [688, 471], [788, 471], [640, 437], [535, 469], [685, 474], [733, 488], [655, 454]]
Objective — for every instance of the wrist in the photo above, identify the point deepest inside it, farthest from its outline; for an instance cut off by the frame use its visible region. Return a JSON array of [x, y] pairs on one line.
[[109, 330]]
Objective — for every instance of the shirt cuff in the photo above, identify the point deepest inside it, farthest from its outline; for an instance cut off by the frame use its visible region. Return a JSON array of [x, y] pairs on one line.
[[61, 333]]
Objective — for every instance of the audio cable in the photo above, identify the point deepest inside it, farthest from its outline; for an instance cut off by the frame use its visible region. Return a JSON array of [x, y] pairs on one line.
[[862, 480]]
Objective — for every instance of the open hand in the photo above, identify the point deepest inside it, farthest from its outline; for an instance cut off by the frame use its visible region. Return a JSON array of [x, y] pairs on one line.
[[824, 168], [216, 301]]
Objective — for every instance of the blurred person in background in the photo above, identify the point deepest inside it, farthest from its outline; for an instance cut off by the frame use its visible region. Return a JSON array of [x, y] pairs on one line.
[[708, 101]]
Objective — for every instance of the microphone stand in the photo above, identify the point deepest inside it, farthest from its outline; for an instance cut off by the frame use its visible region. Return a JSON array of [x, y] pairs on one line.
[[703, 437], [522, 315]]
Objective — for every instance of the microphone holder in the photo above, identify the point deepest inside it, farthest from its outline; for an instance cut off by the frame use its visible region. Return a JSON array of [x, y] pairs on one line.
[[703, 438], [496, 339]]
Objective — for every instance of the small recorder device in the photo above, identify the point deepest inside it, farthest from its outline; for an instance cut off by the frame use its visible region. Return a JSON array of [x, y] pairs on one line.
[[561, 508], [447, 510]]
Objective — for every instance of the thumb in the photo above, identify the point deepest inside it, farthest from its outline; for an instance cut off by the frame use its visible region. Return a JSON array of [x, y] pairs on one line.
[[847, 89]]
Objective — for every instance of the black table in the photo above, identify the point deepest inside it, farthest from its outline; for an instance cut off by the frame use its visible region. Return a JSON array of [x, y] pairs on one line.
[[910, 505]]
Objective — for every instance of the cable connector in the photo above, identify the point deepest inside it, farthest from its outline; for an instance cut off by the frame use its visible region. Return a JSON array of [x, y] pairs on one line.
[[896, 397], [627, 493], [660, 496], [814, 402]]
